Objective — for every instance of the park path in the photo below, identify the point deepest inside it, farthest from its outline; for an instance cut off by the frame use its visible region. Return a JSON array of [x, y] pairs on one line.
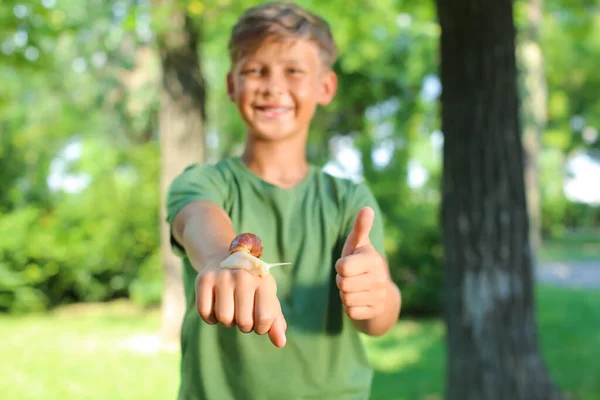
[[576, 274]]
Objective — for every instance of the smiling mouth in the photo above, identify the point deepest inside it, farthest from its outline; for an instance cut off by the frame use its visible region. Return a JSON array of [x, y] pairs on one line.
[[272, 111]]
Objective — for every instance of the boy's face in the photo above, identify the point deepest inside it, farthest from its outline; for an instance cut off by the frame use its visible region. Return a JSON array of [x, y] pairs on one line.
[[278, 87]]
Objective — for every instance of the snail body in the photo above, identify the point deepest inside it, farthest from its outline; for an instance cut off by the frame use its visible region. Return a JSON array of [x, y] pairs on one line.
[[245, 251]]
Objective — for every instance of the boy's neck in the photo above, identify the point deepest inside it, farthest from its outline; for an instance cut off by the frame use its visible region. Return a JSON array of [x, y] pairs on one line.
[[283, 164]]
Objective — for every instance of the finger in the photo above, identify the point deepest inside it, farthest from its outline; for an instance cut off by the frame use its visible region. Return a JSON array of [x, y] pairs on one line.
[[358, 299], [354, 265], [360, 312], [244, 306], [359, 235], [205, 298], [224, 302], [265, 308], [245, 286], [277, 331], [357, 283]]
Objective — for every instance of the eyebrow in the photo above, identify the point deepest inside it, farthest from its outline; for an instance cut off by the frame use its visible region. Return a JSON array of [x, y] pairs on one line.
[[285, 60], [293, 60]]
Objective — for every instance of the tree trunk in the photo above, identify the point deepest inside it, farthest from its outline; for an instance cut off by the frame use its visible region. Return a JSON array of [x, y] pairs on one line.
[[181, 125], [492, 339], [534, 112]]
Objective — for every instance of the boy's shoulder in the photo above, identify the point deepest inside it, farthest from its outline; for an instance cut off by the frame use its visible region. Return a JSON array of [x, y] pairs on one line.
[[221, 166], [214, 175], [198, 181]]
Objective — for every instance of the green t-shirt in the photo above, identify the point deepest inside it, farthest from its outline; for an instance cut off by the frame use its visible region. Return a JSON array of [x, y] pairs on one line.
[[306, 225]]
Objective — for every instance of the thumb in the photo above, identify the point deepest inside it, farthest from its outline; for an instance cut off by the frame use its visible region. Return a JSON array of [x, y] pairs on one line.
[[277, 331], [359, 235]]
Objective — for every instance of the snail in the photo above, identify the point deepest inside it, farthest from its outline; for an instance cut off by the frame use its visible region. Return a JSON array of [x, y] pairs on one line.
[[245, 251]]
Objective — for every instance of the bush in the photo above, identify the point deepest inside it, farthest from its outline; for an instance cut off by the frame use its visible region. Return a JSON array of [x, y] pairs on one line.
[[96, 245], [415, 256], [146, 289], [581, 216]]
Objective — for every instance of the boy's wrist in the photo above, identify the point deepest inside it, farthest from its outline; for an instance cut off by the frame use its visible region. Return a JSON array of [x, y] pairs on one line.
[[382, 323], [213, 260], [209, 260]]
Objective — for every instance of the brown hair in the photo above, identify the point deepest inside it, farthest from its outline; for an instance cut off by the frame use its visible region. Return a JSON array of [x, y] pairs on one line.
[[281, 20]]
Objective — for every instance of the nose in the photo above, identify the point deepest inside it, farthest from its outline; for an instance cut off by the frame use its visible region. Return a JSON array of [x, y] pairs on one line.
[[273, 82]]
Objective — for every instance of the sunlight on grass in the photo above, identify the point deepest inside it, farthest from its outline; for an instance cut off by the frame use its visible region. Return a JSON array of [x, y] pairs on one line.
[[408, 361], [74, 354], [403, 345]]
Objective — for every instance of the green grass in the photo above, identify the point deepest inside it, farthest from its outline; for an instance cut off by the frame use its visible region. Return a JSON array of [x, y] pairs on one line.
[[83, 354], [570, 338], [574, 246]]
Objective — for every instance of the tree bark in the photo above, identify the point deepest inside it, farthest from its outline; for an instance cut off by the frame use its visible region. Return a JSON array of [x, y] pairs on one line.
[[181, 125], [492, 339], [534, 113]]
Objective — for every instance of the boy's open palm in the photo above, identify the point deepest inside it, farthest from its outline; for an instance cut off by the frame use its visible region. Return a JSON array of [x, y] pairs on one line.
[[361, 271], [238, 298]]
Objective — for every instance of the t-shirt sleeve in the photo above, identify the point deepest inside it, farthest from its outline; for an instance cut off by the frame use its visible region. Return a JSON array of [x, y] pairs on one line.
[[362, 196], [196, 182]]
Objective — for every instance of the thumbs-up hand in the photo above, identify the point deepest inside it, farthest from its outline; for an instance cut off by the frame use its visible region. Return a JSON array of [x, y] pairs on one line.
[[361, 271]]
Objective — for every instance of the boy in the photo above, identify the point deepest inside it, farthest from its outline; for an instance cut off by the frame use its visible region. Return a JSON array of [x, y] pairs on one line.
[[293, 334]]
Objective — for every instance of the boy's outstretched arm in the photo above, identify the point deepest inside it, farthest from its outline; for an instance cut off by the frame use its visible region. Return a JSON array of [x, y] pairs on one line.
[[226, 296], [205, 231], [370, 298]]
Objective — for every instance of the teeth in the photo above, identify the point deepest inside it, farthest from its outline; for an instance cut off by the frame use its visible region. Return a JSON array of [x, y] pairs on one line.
[[278, 110]]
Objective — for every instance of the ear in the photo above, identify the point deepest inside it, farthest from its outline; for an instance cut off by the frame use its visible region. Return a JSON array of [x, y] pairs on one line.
[[230, 86], [329, 82]]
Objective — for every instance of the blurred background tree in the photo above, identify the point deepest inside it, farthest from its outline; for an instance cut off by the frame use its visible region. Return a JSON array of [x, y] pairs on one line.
[[181, 130], [493, 350]]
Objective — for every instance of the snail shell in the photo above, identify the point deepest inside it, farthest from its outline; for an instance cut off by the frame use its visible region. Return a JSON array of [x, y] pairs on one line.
[[247, 242]]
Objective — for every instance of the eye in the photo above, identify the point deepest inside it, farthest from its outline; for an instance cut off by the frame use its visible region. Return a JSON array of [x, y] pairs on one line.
[[295, 71], [252, 71]]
